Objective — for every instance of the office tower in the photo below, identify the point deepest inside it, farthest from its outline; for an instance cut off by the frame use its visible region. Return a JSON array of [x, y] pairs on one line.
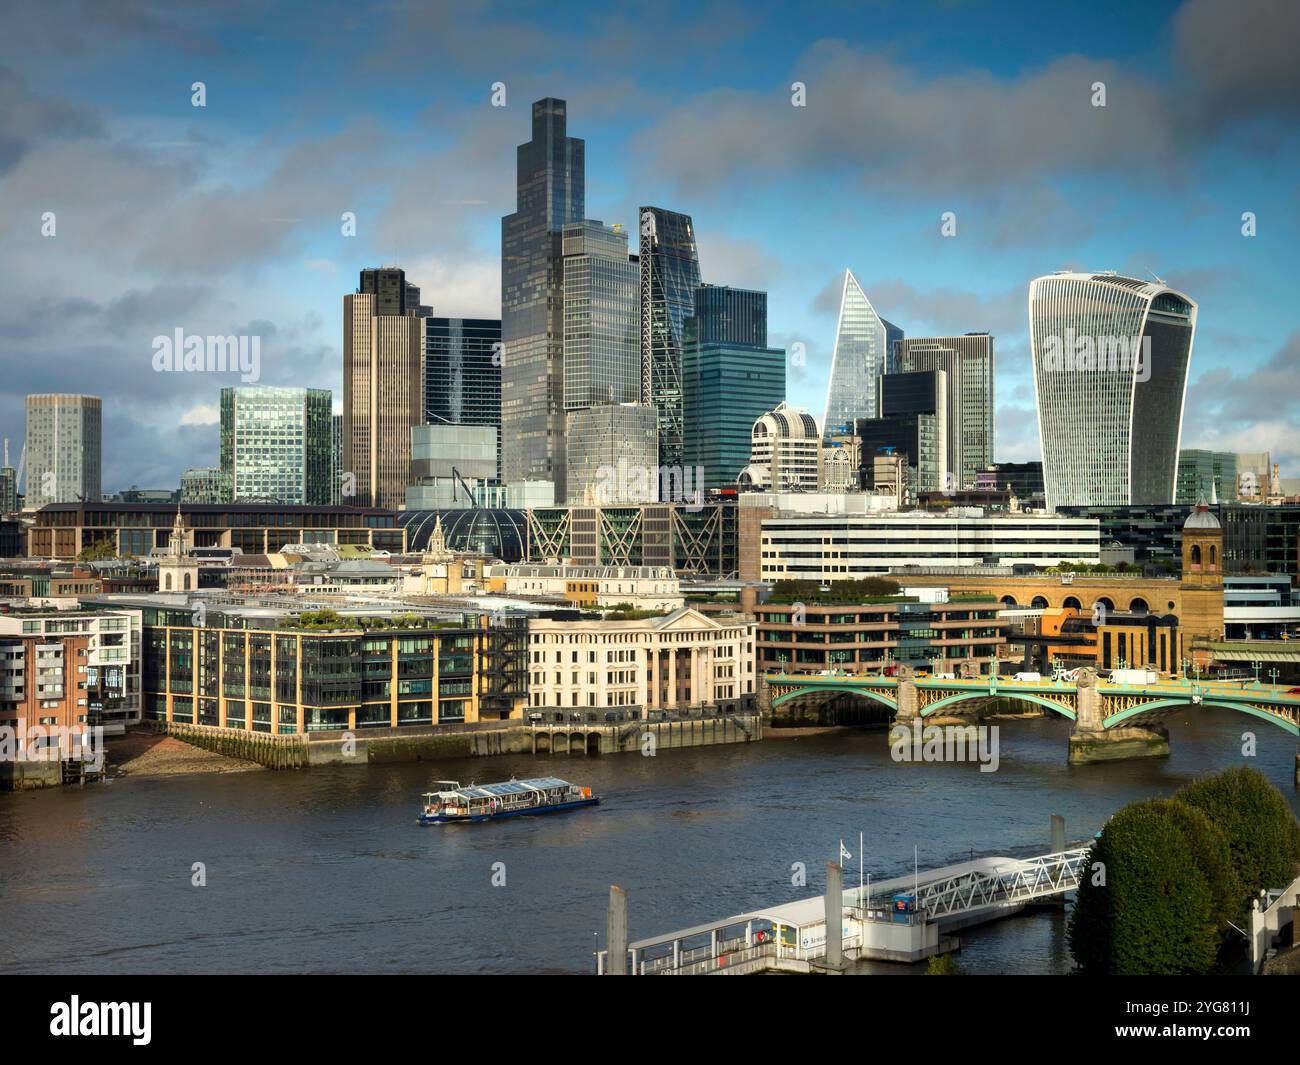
[[862, 343], [602, 319], [462, 373], [204, 484], [550, 193], [1110, 358], [453, 466], [730, 378], [394, 295], [968, 362], [1210, 475], [785, 452], [383, 397], [1024, 479], [336, 459], [275, 444], [670, 274], [914, 435], [413, 304], [64, 454], [612, 457], [8, 484], [921, 392]]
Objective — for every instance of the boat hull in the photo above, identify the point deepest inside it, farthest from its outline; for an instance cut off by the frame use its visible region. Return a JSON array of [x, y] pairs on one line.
[[552, 808]]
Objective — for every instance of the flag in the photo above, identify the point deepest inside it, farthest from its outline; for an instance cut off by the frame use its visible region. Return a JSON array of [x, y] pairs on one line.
[[844, 854]]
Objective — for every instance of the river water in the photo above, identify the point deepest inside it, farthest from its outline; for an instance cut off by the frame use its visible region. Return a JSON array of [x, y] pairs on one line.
[[327, 870]]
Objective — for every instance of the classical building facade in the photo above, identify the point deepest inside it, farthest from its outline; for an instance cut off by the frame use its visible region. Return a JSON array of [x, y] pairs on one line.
[[671, 662]]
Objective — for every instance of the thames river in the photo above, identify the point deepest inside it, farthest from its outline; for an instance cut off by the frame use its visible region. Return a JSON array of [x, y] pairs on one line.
[[326, 870]]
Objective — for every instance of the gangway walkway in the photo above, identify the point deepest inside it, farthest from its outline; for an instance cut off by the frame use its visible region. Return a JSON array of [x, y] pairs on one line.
[[792, 936]]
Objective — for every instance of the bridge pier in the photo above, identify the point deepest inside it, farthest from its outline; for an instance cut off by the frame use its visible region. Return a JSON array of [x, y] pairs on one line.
[[1091, 742]]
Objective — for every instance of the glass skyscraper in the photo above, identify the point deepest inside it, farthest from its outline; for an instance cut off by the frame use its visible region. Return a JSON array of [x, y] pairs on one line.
[[1110, 358], [730, 379], [602, 320], [276, 444], [462, 373], [968, 363], [612, 449], [863, 341], [1208, 474], [550, 193], [670, 274]]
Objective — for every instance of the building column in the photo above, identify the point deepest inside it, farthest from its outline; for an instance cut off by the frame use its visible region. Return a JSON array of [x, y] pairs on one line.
[[671, 700]]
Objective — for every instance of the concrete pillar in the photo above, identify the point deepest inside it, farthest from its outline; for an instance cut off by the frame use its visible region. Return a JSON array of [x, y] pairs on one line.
[[907, 700], [616, 932], [834, 915], [1058, 833]]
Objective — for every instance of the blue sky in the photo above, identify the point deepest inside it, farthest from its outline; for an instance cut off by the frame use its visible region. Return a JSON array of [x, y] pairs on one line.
[[226, 218]]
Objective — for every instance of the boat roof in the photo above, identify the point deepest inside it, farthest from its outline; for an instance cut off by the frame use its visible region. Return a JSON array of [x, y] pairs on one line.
[[511, 787]]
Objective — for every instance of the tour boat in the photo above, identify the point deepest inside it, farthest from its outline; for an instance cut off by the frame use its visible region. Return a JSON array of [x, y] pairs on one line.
[[513, 798]]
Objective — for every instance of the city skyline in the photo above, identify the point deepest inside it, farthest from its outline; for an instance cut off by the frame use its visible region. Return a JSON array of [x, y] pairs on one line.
[[236, 211]]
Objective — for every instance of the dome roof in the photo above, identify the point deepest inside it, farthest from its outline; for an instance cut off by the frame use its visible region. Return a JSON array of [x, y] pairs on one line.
[[1201, 518], [502, 534]]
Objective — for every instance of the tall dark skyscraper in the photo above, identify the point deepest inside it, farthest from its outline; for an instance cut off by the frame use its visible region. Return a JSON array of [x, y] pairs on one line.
[[462, 379], [670, 274], [730, 379], [550, 193]]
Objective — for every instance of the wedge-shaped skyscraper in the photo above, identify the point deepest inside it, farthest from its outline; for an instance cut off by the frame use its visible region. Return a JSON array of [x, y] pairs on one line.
[[862, 344], [1110, 359]]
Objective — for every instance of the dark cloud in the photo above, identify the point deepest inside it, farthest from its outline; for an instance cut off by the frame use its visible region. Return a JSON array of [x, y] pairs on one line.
[[1240, 59]]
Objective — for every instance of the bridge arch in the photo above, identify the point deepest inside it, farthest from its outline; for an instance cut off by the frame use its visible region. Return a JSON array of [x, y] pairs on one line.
[[1039, 602], [1138, 605], [1009, 601], [1071, 602], [795, 693], [1164, 704], [1000, 693]]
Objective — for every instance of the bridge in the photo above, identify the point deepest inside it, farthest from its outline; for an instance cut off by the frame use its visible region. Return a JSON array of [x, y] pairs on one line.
[[1112, 705], [791, 937]]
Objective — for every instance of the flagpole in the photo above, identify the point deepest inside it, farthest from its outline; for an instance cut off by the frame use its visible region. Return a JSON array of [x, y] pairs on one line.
[[859, 870], [916, 879]]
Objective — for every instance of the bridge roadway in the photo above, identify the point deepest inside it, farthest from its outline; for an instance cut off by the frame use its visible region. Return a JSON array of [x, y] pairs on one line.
[[791, 936], [1118, 705]]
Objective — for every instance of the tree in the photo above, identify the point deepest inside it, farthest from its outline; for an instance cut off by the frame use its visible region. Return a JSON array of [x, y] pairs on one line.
[[1262, 832], [1155, 910], [99, 551]]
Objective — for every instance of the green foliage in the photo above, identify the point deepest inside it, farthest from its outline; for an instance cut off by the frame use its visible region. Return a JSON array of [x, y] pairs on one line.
[[99, 551], [866, 590], [1178, 871], [943, 965], [319, 619], [1262, 832], [628, 612], [1155, 912]]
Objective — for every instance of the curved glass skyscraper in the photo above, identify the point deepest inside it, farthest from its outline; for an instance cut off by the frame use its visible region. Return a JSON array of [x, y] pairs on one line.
[[670, 274], [1110, 358], [862, 344]]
